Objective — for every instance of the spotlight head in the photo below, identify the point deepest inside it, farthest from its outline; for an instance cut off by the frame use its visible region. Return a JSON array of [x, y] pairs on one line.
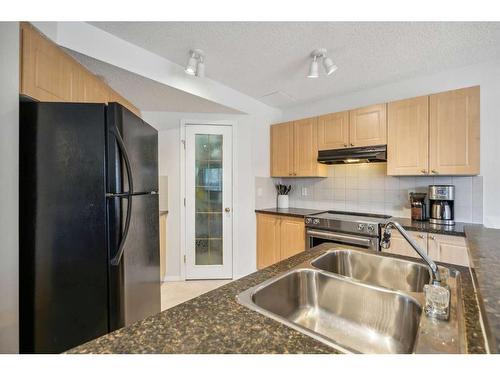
[[313, 69], [329, 66]]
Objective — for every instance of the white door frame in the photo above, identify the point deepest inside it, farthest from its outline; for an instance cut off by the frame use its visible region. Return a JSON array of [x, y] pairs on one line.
[[182, 182]]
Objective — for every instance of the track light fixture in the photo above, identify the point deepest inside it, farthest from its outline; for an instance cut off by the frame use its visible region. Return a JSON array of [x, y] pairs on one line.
[[196, 63], [328, 64]]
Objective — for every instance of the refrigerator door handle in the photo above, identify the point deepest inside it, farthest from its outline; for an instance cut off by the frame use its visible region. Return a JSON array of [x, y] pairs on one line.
[[123, 150], [117, 258]]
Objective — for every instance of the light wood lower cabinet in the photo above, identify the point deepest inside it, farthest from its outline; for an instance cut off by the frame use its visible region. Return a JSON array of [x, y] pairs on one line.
[[163, 246], [441, 248], [278, 238], [400, 246], [448, 249]]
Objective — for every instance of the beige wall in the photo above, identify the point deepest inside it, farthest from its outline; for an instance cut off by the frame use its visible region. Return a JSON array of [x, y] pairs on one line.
[[9, 176]]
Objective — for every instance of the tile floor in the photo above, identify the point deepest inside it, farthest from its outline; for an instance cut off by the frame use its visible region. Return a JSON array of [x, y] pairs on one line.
[[176, 292]]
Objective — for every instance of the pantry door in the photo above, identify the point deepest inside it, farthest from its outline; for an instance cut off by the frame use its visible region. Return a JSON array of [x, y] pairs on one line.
[[209, 222]]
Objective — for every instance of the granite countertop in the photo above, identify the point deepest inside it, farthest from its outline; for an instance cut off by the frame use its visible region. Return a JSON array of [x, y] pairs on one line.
[[216, 323], [484, 253], [292, 211], [424, 226]]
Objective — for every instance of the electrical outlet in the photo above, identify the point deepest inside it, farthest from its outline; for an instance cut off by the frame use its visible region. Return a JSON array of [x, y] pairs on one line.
[[304, 192]]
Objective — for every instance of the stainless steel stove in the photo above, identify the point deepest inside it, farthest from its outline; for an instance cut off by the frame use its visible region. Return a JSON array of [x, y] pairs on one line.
[[349, 228]]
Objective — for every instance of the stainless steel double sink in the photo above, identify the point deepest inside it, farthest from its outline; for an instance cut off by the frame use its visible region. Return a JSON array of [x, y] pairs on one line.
[[360, 302]]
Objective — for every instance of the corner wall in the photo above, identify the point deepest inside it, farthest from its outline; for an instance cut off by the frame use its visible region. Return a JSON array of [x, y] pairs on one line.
[[487, 75], [9, 186]]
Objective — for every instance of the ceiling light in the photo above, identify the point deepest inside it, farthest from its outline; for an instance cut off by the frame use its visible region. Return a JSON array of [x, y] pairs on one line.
[[195, 65], [200, 71], [313, 69], [328, 64]]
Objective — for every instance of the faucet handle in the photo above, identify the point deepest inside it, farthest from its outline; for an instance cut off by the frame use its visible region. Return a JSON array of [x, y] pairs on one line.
[[437, 301]]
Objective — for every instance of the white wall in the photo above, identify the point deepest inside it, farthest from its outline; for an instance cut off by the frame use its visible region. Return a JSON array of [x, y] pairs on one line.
[[9, 171], [487, 75], [251, 143]]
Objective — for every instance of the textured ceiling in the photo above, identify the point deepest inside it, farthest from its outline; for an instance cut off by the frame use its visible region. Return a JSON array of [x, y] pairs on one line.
[[146, 94], [269, 60]]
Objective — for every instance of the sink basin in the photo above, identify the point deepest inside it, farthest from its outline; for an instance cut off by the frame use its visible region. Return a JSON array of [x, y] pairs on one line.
[[344, 313], [374, 269]]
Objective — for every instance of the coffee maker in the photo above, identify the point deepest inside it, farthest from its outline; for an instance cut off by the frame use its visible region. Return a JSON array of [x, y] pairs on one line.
[[441, 201]]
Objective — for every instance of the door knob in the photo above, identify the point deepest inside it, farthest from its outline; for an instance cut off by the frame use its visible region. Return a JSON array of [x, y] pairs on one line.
[[227, 209]]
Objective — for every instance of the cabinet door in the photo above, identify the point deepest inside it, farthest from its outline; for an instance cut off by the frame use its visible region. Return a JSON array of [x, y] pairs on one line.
[[268, 240], [89, 89], [292, 233], [305, 149], [454, 132], [282, 150], [448, 249], [47, 74], [401, 247], [333, 131], [408, 137], [368, 126]]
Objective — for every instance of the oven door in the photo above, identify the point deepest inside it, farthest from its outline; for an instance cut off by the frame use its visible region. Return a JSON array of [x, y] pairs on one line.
[[315, 237]]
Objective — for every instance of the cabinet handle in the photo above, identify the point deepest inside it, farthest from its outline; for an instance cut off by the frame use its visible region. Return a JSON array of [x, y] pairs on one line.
[[420, 236], [424, 171], [352, 144], [434, 171], [345, 144], [432, 237], [289, 174]]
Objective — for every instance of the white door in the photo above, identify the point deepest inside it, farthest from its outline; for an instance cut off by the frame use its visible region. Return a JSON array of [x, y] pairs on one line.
[[209, 202]]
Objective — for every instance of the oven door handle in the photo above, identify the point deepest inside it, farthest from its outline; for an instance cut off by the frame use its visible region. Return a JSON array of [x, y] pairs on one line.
[[340, 237]]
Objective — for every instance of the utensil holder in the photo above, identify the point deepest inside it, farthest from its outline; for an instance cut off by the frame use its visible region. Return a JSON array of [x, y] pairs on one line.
[[282, 201]]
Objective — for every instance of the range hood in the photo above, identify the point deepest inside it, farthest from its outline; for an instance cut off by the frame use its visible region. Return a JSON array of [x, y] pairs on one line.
[[352, 155]]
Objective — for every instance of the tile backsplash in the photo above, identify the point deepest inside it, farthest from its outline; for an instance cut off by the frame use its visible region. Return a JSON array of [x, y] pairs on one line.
[[367, 188]]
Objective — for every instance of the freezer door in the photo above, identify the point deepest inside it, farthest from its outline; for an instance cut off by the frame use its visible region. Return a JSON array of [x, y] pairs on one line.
[[62, 226], [139, 142], [135, 281]]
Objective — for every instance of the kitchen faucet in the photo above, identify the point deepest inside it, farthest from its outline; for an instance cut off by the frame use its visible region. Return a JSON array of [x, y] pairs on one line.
[[386, 242]]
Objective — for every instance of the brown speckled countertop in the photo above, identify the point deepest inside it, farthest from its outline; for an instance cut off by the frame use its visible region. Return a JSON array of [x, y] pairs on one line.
[[424, 226], [296, 212], [484, 253], [216, 323]]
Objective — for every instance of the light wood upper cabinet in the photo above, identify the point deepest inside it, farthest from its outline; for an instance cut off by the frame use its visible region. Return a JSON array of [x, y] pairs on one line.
[[333, 131], [448, 249], [305, 148], [294, 149], [368, 126], [268, 240], [408, 137], [454, 132], [282, 149], [278, 238], [292, 232], [400, 246], [49, 74]]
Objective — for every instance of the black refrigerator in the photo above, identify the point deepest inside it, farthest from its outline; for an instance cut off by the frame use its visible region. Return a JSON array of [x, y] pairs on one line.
[[89, 247]]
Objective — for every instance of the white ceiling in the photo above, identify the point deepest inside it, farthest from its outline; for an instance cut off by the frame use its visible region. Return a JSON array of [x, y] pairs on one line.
[[146, 94], [269, 60]]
